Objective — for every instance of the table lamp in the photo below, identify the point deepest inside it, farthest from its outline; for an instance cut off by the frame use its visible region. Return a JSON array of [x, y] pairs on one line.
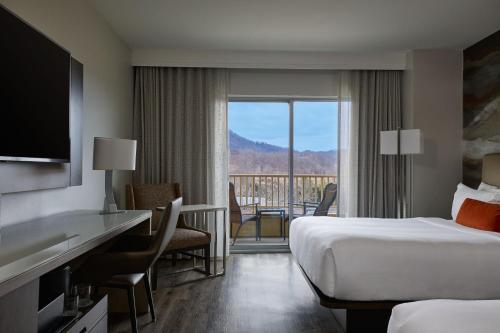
[[113, 154]]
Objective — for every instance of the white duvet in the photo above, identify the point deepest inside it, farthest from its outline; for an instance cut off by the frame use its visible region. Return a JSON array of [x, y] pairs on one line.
[[446, 316], [389, 259]]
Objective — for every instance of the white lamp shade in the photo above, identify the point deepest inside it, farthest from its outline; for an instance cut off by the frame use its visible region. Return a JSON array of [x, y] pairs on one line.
[[114, 154], [389, 142], [411, 142]]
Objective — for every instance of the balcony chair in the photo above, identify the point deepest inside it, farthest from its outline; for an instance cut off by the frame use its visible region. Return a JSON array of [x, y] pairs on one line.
[[322, 208], [128, 261], [236, 216], [186, 239]]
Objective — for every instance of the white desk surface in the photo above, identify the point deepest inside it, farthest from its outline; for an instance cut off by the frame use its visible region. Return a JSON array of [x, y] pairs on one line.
[[30, 249]]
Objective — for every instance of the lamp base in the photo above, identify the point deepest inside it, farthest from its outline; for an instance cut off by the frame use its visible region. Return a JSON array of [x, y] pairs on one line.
[[109, 206]]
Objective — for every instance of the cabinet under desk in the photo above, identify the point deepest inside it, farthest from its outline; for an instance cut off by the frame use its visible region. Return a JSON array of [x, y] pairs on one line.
[[31, 249]]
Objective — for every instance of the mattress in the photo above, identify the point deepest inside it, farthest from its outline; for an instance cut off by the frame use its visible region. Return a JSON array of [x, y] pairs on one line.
[[368, 259], [446, 316]]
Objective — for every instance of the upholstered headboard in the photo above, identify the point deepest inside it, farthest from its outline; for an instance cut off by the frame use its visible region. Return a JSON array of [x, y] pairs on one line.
[[491, 169]]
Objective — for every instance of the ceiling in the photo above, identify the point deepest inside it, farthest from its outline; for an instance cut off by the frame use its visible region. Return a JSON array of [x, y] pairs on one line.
[[301, 25]]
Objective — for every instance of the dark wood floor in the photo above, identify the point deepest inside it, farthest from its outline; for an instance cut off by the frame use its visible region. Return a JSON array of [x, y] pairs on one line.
[[260, 293]]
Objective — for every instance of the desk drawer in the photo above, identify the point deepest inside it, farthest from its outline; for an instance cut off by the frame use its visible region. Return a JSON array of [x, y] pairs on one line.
[[91, 321], [101, 326]]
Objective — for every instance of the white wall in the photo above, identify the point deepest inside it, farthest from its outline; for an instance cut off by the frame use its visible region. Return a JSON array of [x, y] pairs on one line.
[[433, 103], [76, 26]]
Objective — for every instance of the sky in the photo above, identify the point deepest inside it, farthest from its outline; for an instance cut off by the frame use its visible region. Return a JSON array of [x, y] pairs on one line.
[[315, 123]]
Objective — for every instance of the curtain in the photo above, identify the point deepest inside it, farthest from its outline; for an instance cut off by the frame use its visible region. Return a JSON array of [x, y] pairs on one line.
[[370, 101], [347, 201], [180, 123]]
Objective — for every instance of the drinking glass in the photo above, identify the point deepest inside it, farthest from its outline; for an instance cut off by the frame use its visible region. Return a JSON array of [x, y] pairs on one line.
[[71, 302]]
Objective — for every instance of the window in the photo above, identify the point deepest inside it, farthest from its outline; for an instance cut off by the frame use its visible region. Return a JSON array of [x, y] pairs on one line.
[[270, 143]]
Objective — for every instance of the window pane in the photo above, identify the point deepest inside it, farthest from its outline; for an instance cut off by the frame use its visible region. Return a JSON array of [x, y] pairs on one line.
[[258, 168], [315, 151], [258, 138]]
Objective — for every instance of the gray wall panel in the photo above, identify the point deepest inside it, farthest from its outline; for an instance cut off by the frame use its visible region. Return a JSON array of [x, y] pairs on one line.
[[76, 122]]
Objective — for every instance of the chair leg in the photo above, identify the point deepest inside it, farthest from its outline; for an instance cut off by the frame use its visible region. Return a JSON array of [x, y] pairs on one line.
[[206, 251], [236, 235], [132, 312], [149, 295], [154, 276], [257, 229]]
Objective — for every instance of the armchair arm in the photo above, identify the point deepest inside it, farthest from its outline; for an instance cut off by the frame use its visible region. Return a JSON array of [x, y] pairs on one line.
[[305, 205], [181, 223], [255, 205], [196, 229]]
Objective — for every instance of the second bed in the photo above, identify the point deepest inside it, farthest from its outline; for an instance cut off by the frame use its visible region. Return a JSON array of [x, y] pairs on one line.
[[367, 259]]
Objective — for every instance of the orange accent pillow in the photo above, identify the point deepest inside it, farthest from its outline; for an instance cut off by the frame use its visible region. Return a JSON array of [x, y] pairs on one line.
[[479, 215]]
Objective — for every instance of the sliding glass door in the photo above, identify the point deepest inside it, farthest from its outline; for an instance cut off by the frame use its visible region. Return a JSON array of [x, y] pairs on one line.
[[314, 156], [281, 155]]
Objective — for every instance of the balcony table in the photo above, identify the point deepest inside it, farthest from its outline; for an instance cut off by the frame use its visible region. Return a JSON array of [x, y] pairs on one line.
[[270, 212]]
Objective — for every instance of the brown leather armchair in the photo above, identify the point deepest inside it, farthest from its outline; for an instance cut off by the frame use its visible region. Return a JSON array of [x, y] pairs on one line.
[[127, 262], [185, 238]]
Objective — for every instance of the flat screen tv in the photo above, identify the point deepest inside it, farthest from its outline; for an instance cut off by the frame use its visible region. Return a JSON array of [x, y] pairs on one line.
[[34, 94]]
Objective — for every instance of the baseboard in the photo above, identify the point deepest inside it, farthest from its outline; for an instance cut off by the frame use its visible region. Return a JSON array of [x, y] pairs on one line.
[[241, 249]]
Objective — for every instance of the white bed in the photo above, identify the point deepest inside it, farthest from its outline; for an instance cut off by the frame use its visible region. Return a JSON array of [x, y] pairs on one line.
[[366, 259], [446, 316]]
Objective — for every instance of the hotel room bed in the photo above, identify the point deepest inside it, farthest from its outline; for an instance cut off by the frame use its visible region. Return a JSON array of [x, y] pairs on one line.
[[367, 266], [367, 259], [446, 316]]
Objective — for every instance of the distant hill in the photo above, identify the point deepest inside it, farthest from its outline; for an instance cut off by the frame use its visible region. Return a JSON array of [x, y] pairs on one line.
[[237, 142], [247, 156]]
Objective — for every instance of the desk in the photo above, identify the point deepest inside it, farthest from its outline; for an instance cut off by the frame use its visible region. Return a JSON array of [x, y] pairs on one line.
[[270, 212], [204, 209], [30, 249]]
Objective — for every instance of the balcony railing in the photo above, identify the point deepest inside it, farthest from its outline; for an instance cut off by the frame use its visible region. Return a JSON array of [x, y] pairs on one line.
[[272, 190]]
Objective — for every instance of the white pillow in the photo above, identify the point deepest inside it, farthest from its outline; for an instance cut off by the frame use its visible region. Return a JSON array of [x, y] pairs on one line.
[[463, 192], [488, 187]]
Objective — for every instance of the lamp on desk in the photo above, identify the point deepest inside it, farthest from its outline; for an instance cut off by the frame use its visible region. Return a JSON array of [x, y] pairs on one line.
[[113, 154], [401, 143]]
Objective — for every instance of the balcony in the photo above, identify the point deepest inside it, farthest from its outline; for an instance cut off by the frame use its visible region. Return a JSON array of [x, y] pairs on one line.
[[272, 191]]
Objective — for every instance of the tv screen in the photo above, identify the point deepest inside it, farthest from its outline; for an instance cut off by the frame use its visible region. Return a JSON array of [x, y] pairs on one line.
[[34, 94]]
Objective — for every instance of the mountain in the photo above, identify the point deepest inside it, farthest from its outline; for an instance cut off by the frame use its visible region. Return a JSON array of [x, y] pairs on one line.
[[247, 156], [237, 142]]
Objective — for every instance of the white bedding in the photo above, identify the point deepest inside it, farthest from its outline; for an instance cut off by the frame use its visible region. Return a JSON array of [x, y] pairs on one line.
[[389, 259], [446, 316]]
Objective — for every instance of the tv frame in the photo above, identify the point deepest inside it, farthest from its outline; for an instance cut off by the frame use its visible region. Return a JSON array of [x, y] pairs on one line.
[[5, 159]]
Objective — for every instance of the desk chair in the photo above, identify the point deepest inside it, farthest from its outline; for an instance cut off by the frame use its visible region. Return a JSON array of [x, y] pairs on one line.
[[128, 261]]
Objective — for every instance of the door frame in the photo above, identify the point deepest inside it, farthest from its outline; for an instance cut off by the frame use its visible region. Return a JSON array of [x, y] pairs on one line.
[[290, 100]]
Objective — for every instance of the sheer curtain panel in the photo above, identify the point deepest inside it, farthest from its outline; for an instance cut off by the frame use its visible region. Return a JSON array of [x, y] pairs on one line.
[[369, 102], [180, 123]]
